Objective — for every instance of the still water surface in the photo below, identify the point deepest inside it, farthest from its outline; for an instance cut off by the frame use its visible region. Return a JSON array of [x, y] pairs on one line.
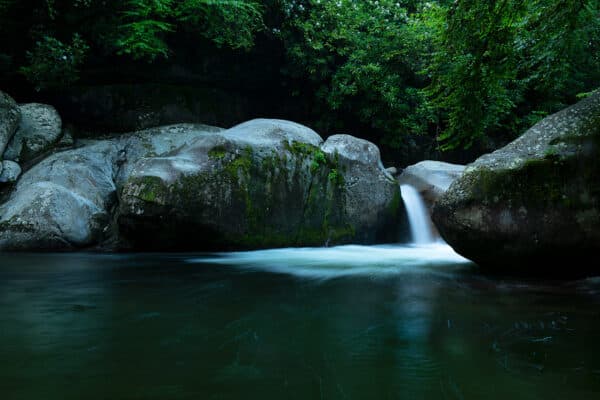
[[351, 322]]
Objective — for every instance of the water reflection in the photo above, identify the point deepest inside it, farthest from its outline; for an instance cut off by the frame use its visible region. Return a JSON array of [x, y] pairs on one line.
[[152, 326]]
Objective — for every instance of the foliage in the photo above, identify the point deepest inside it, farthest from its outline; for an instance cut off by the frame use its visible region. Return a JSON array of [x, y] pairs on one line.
[[474, 69], [229, 23], [459, 71], [54, 62], [501, 65], [138, 29], [362, 58], [145, 24]]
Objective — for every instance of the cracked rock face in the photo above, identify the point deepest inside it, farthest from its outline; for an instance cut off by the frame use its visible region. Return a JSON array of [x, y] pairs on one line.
[[10, 116], [533, 203], [261, 183]]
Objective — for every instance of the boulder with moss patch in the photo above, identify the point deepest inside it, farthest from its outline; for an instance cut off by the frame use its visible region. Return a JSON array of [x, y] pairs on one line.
[[534, 203], [263, 183], [67, 201]]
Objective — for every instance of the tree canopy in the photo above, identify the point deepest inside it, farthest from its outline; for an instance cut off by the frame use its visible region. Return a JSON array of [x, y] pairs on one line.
[[460, 72]]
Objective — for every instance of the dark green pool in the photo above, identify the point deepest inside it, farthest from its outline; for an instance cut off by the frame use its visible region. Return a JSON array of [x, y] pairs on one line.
[[350, 323]]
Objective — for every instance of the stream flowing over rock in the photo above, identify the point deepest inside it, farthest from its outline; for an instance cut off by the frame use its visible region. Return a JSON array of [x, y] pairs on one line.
[[534, 203], [190, 186]]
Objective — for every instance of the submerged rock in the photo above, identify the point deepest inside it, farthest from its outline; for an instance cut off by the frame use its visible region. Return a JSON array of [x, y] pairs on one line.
[[40, 128], [10, 115], [431, 178], [534, 203], [262, 183]]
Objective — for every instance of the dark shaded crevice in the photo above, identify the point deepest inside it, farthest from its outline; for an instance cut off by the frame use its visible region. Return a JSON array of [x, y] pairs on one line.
[[304, 207], [110, 236]]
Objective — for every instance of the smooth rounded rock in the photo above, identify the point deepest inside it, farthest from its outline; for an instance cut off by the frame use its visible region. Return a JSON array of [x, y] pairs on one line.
[[431, 178], [40, 128], [264, 183], [9, 171], [532, 206]]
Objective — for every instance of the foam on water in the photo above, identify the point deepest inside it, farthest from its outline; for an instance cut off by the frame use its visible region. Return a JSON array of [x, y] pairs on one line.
[[332, 262]]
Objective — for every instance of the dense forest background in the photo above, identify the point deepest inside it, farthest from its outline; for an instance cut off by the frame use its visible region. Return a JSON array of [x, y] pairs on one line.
[[423, 79]]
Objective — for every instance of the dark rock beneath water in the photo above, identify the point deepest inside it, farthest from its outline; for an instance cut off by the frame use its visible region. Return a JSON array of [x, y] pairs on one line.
[[535, 203]]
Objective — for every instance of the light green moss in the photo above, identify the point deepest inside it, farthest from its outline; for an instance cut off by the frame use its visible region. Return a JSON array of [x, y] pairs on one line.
[[217, 152], [152, 189]]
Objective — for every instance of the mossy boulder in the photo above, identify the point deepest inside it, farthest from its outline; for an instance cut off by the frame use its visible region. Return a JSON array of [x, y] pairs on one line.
[[532, 206], [263, 183], [67, 201]]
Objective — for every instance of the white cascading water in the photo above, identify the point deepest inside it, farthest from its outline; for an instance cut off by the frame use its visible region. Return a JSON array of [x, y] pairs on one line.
[[322, 263], [418, 218]]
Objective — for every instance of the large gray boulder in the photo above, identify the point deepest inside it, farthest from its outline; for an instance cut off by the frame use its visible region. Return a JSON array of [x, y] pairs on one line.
[[10, 116], [67, 200], [262, 183], [431, 178], [39, 130], [156, 142], [535, 203], [369, 192], [61, 203]]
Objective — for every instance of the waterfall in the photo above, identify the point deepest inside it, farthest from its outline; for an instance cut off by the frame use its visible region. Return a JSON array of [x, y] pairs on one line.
[[418, 218]]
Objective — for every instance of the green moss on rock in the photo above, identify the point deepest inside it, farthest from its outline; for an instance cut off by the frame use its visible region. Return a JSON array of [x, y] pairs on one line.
[[151, 189], [217, 152]]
